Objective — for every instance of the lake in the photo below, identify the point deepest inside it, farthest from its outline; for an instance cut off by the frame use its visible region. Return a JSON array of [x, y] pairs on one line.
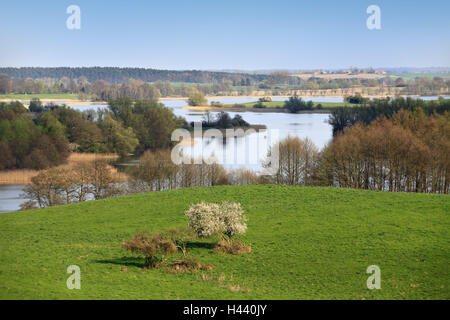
[[246, 152], [10, 197]]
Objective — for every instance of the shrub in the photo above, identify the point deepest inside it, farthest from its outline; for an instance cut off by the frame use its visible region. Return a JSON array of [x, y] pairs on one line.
[[233, 219], [231, 246], [196, 98], [204, 219], [216, 104], [35, 105], [207, 219], [238, 121], [180, 236], [295, 104], [186, 265], [356, 99], [154, 249]]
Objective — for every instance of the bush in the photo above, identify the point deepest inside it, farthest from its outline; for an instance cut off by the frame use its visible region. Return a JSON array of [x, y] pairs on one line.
[[207, 219], [197, 99], [187, 265], [204, 219], [238, 121], [35, 105], [295, 104], [154, 249], [356, 99], [180, 236], [259, 105], [216, 104], [231, 246]]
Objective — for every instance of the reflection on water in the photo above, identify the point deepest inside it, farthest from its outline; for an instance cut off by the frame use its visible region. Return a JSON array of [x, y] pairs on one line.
[[240, 152], [10, 197], [249, 151]]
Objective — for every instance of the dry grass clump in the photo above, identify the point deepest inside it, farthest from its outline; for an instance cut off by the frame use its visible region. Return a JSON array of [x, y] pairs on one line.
[[187, 265], [154, 248], [157, 247], [236, 288], [82, 157], [232, 246], [224, 282]]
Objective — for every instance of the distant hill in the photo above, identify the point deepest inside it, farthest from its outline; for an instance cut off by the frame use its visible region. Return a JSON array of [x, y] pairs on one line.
[[120, 75]]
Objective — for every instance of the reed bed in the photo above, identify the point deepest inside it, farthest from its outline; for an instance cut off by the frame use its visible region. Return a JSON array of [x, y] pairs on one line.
[[23, 176]]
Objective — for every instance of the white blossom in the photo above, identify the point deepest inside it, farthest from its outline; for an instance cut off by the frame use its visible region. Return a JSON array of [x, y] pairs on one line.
[[208, 219]]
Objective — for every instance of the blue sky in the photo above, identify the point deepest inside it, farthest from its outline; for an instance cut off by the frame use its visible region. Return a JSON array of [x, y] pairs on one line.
[[216, 34]]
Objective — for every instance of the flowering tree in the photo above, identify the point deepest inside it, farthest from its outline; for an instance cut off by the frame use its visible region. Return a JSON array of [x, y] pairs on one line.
[[204, 219], [207, 219], [232, 216]]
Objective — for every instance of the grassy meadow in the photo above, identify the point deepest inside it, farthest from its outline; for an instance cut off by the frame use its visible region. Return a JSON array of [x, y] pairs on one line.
[[42, 96], [308, 243]]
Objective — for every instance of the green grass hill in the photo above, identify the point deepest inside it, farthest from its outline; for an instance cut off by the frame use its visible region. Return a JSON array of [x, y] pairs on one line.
[[308, 243]]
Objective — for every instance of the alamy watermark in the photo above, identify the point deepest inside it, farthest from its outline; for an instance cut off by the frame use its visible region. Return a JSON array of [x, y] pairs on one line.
[[73, 22], [374, 20], [374, 281], [250, 152], [74, 280]]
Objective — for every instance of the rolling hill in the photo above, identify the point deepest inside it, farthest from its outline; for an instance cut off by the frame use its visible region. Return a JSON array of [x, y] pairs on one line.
[[308, 243]]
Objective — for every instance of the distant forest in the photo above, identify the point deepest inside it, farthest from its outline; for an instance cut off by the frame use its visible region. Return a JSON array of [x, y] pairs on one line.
[[104, 83], [121, 75]]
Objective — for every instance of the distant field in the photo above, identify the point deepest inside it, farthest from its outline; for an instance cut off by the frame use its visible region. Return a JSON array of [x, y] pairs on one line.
[[62, 96], [409, 76], [308, 243], [340, 76]]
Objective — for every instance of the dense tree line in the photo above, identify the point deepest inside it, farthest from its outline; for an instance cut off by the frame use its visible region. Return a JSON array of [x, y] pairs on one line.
[[84, 181], [43, 136], [140, 84], [407, 153], [104, 90], [121, 75], [222, 121], [342, 118], [30, 143]]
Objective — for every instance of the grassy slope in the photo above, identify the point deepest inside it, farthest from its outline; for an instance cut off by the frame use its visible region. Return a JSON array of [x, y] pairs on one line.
[[307, 243]]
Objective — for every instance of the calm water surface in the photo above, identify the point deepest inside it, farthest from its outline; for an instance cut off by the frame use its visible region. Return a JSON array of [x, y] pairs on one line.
[[242, 152], [10, 197]]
